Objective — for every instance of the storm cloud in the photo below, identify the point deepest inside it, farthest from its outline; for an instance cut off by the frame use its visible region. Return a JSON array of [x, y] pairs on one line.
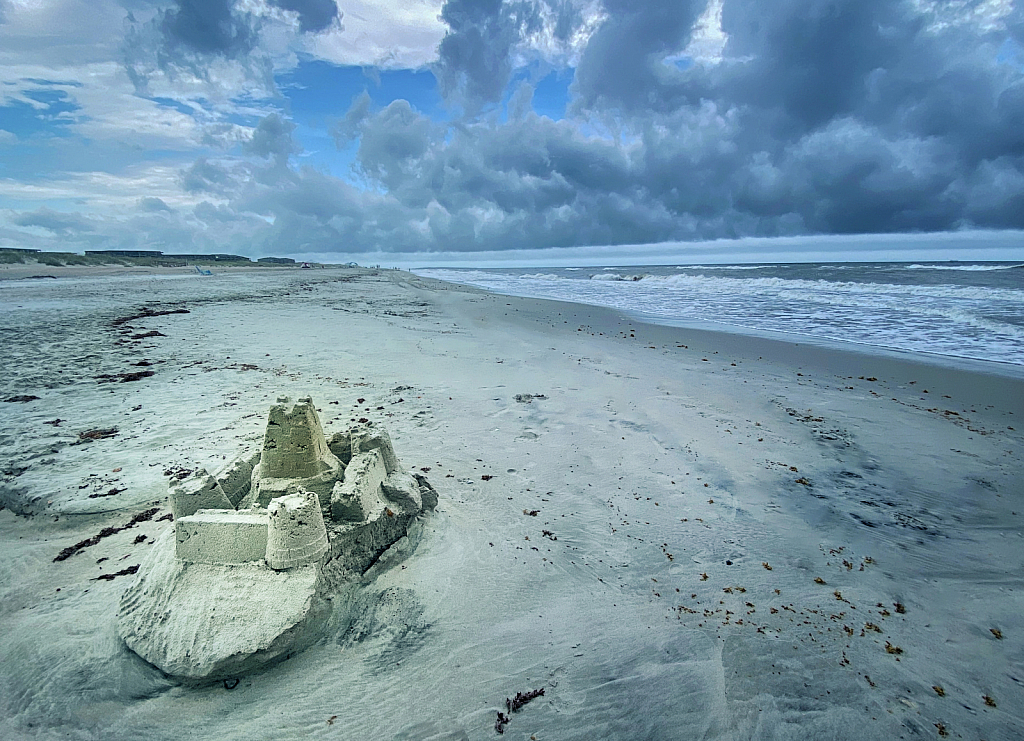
[[822, 117], [475, 56], [813, 117]]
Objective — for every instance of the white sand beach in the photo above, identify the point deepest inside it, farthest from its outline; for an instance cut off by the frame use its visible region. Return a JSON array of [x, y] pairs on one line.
[[674, 533]]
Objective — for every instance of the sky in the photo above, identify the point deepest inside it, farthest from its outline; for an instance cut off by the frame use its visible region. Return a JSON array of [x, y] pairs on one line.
[[533, 131]]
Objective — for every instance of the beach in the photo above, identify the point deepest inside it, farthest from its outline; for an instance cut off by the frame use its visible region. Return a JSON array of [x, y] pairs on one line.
[[674, 532]]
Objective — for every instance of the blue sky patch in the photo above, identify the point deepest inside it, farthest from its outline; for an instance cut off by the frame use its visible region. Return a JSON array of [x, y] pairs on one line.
[[551, 95], [319, 94], [28, 121], [177, 105], [318, 90]]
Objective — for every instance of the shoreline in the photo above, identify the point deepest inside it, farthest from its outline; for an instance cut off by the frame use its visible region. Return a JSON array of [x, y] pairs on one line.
[[974, 381], [958, 318], [662, 527], [1003, 381]]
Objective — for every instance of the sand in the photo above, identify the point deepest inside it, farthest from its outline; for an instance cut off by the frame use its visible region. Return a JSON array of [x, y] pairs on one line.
[[675, 533]]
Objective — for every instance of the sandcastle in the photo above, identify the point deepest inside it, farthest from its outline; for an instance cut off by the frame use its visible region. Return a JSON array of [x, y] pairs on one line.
[[258, 549]]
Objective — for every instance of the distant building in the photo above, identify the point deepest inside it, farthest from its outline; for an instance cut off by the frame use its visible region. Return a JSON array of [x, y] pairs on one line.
[[126, 253], [18, 249], [277, 260], [210, 258]]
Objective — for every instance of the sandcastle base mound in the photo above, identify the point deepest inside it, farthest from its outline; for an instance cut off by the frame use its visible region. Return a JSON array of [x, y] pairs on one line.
[[196, 621]]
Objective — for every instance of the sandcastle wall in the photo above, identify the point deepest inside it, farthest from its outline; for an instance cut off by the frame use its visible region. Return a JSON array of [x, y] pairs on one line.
[[376, 439], [196, 492], [235, 478], [222, 536], [341, 445], [403, 490], [354, 498]]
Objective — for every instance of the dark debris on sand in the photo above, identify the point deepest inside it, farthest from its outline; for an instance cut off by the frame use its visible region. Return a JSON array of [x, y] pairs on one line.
[[178, 472], [108, 493], [124, 377], [514, 705], [145, 312], [122, 572], [99, 433], [106, 532]]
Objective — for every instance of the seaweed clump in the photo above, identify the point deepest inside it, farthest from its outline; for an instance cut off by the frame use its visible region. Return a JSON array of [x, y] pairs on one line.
[[106, 532], [514, 705]]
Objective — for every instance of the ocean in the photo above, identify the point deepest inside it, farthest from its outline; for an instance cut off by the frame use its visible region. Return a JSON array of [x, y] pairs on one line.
[[949, 309]]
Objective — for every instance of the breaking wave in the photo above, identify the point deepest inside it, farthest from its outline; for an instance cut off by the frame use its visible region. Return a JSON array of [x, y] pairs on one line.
[[881, 305]]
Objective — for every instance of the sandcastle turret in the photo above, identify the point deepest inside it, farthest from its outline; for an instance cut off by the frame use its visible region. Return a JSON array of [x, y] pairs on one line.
[[297, 534], [293, 445], [295, 453]]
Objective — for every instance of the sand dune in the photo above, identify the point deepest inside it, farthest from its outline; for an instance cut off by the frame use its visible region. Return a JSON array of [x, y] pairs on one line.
[[674, 533]]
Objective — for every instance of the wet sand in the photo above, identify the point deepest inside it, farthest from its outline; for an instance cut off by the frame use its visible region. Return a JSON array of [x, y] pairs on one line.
[[674, 532]]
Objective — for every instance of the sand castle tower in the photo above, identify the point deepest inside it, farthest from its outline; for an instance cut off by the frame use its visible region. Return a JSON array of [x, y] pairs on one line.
[[297, 534], [295, 453]]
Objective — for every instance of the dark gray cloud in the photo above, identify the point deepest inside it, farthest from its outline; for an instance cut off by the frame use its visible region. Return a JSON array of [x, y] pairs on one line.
[[568, 19], [203, 176], [393, 147], [183, 39], [209, 212], [153, 204], [826, 116], [623, 69], [314, 15], [54, 221], [882, 118], [208, 27], [273, 138], [531, 182], [351, 124], [474, 59]]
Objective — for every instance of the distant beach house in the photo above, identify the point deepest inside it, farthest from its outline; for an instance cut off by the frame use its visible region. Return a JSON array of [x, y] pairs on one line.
[[126, 253], [216, 257], [277, 260]]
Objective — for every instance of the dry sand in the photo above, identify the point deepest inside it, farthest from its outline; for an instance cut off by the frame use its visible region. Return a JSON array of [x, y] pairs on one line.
[[683, 534]]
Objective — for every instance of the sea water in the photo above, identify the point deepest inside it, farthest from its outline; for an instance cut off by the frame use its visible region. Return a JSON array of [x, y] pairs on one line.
[[957, 310]]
